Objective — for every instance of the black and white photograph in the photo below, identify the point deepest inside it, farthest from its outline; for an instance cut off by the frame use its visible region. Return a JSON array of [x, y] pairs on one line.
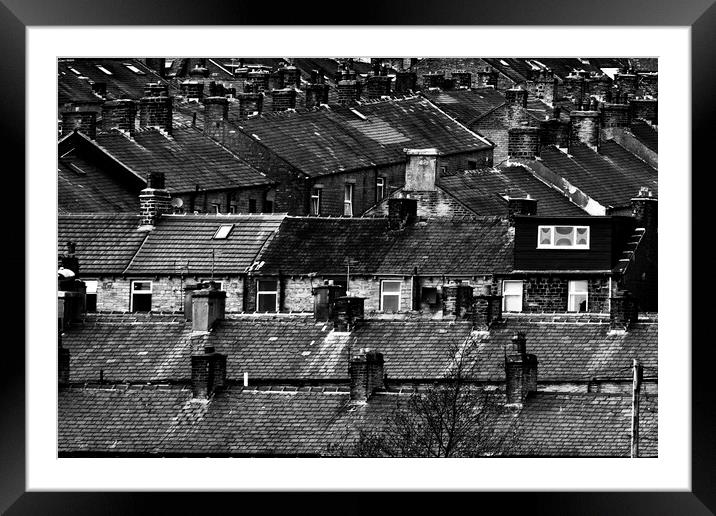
[[357, 257]]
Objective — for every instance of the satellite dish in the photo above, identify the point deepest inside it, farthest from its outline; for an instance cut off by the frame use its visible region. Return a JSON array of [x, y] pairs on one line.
[[177, 202]]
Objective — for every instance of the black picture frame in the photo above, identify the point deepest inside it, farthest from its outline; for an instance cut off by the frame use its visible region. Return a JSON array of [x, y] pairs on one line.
[[17, 15]]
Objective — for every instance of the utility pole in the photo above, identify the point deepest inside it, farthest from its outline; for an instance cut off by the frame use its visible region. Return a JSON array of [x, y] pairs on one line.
[[636, 387]]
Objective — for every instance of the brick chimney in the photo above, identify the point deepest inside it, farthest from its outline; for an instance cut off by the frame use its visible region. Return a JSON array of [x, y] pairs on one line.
[[421, 170], [208, 305], [192, 89], [520, 371], [433, 80], [574, 88], [645, 209], [378, 86], [646, 109], [154, 200], [623, 310], [520, 206], [628, 83], [289, 77], [199, 71], [366, 371], [457, 300], [283, 99], [584, 128], [543, 85], [257, 80], [216, 110], [401, 212], [119, 114], [155, 108], [250, 104], [324, 298], [516, 96], [523, 142], [406, 82], [463, 79], [487, 78], [208, 372], [316, 94], [486, 309], [347, 91], [347, 312], [82, 121], [616, 115]]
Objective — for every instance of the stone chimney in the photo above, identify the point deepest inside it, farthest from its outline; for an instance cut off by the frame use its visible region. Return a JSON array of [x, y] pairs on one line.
[[433, 80], [216, 110], [616, 115], [421, 170], [347, 91], [584, 129], [401, 212], [289, 77], [208, 372], [405, 82], [487, 78], [348, 311], [523, 142], [574, 88], [154, 200], [119, 114], [543, 85], [457, 300], [283, 99], [257, 80], [520, 371], [155, 108], [463, 79], [366, 371], [324, 299], [516, 96], [316, 94], [486, 309], [192, 89], [520, 206], [208, 305], [82, 121], [378, 86], [250, 104]]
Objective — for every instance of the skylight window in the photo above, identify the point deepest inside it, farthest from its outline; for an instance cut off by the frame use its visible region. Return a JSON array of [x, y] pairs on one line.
[[133, 68], [358, 114], [223, 232], [103, 70], [504, 62], [74, 70]]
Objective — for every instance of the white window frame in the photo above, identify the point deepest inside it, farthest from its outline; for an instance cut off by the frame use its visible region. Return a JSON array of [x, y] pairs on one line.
[[572, 293], [132, 292], [92, 285], [316, 197], [348, 190], [379, 189], [399, 293], [552, 245], [504, 296], [259, 292]]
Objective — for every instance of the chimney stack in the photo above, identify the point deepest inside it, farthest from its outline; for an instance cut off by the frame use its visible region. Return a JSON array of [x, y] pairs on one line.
[[616, 115], [487, 78], [250, 104], [628, 84], [486, 309], [378, 86], [463, 79], [366, 371], [433, 80], [283, 99], [645, 209], [574, 88], [316, 94], [520, 371], [646, 109], [520, 206], [457, 300], [192, 89], [401, 212], [523, 142], [208, 372], [584, 129], [257, 80], [199, 71], [289, 77], [155, 108], [324, 298], [516, 96], [82, 121], [208, 305], [119, 114], [347, 91], [347, 312], [154, 200], [421, 170], [405, 82], [623, 311], [216, 110]]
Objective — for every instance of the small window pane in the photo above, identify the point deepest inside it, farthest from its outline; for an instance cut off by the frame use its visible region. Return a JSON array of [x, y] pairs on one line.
[[142, 286], [267, 285], [391, 286], [267, 302], [141, 302], [512, 288], [391, 303], [545, 236], [513, 303]]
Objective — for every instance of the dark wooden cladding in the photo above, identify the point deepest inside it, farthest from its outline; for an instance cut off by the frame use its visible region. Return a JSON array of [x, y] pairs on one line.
[[607, 236]]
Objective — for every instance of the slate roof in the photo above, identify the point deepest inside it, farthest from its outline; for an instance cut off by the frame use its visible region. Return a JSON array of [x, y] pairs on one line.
[[121, 84], [83, 187], [141, 348], [111, 244], [646, 134], [250, 422], [72, 89], [607, 181], [467, 106], [106, 243], [625, 160], [337, 139], [310, 244], [482, 191], [187, 158]]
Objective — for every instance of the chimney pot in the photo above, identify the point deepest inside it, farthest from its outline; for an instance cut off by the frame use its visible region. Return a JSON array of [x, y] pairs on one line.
[[520, 371], [154, 200], [366, 371], [324, 299]]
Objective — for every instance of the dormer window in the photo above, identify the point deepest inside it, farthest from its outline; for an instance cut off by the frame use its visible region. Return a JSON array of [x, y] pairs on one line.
[[563, 237]]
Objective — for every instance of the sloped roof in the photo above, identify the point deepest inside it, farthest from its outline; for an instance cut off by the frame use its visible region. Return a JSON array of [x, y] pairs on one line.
[[594, 174], [338, 139], [153, 348], [72, 89], [83, 187], [306, 422], [482, 191], [181, 242], [466, 106], [646, 134], [625, 160], [122, 82], [187, 158], [106, 243]]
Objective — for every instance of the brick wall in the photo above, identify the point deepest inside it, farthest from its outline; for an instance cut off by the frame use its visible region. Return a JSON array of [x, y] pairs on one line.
[[585, 128], [523, 142], [615, 115], [495, 128], [554, 132], [648, 84], [550, 294], [204, 202]]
